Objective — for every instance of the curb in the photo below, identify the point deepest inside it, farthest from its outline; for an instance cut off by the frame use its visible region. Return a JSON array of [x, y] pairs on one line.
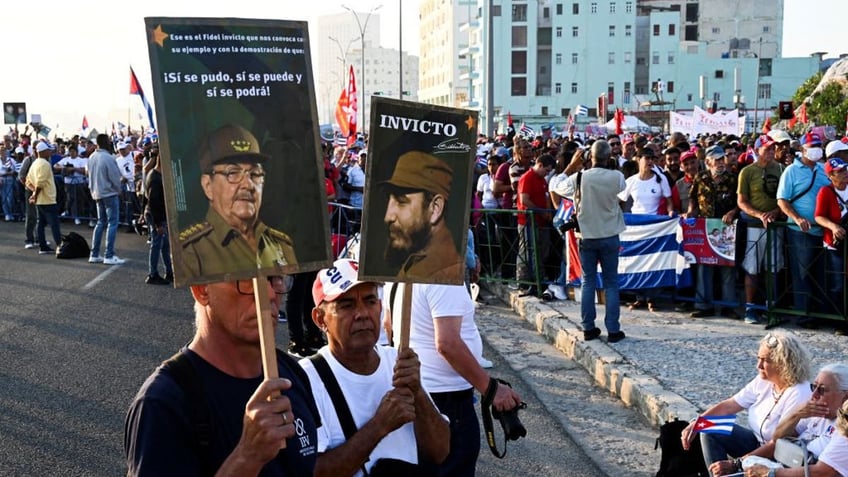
[[608, 367]]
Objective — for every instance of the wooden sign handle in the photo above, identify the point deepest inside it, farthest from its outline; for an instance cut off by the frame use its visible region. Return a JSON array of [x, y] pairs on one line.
[[267, 339], [405, 316]]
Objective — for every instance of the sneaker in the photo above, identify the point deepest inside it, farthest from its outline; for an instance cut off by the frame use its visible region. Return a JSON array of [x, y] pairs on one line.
[[485, 363], [169, 276], [513, 286], [702, 313], [615, 337], [92, 223], [45, 251], [751, 317], [29, 245], [156, 280], [592, 334], [93, 259], [113, 260], [558, 291], [684, 307]]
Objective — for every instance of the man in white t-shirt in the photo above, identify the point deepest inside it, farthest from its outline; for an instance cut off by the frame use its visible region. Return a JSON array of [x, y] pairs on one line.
[[126, 164], [446, 338], [391, 410]]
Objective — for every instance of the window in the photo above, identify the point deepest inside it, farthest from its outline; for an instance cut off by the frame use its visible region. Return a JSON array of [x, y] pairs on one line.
[[611, 58], [612, 30], [544, 110], [573, 88], [656, 30], [575, 9], [628, 30], [640, 60], [574, 58], [719, 73], [611, 93], [691, 12], [655, 58], [671, 29], [564, 112], [559, 9], [543, 70], [519, 36], [558, 58], [691, 33], [671, 57], [716, 30], [519, 86], [628, 7], [519, 62], [612, 7], [669, 86], [628, 57], [766, 29], [716, 96], [765, 66], [689, 97], [519, 13], [559, 32], [546, 12], [496, 10], [575, 31], [764, 91], [641, 90], [558, 88], [594, 7]]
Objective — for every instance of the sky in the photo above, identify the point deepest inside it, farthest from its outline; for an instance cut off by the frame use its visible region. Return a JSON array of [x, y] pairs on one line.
[[79, 53]]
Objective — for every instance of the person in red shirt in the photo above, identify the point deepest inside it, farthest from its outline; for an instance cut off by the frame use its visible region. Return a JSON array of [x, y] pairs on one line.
[[533, 242], [831, 213]]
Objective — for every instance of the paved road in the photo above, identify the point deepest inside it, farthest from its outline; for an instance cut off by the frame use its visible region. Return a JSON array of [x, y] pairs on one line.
[[77, 340]]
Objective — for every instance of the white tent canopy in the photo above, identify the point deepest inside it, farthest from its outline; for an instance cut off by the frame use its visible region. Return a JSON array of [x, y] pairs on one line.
[[631, 124]]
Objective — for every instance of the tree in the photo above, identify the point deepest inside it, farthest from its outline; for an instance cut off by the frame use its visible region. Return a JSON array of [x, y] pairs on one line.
[[827, 107]]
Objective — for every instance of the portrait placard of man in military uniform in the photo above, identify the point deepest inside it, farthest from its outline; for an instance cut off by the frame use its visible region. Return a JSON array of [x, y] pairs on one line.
[[418, 192], [242, 165]]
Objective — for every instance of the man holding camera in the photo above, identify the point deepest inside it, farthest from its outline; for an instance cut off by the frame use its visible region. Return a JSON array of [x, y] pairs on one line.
[[448, 343], [595, 192]]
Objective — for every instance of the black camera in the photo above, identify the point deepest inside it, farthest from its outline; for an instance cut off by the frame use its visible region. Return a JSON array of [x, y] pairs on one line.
[[570, 224], [512, 427]]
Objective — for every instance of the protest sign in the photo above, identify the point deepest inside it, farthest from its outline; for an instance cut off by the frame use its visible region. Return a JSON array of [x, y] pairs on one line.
[[709, 242], [237, 123], [417, 193]]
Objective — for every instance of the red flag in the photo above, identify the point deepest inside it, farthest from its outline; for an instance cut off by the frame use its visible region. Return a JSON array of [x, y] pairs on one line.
[[767, 126], [509, 120], [353, 103], [342, 108], [793, 121], [803, 114], [619, 121], [84, 123]]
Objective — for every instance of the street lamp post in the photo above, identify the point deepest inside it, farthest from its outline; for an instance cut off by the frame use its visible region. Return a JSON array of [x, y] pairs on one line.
[[362, 29], [342, 52]]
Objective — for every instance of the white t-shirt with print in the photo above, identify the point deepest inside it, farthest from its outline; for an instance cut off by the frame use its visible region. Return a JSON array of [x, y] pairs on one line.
[[816, 432], [646, 193], [836, 454]]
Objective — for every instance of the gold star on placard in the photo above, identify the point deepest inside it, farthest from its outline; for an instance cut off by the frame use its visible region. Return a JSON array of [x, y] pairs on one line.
[[159, 36], [470, 123]]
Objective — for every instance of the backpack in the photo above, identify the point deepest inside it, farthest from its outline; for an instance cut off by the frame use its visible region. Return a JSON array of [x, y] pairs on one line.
[[73, 245], [676, 462]]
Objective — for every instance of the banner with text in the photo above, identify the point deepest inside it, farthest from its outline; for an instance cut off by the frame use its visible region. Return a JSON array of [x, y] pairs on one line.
[[241, 163], [709, 242]]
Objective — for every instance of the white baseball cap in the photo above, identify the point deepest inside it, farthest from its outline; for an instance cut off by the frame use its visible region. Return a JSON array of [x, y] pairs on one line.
[[335, 281], [833, 147]]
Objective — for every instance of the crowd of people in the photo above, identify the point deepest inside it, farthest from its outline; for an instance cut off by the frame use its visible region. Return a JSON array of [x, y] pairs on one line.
[[102, 182]]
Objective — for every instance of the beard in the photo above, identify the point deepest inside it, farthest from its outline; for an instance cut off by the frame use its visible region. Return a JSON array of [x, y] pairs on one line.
[[411, 241]]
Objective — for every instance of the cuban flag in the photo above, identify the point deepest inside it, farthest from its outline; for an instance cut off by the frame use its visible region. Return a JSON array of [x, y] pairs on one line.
[[580, 110], [135, 88], [526, 130], [715, 424], [651, 254]]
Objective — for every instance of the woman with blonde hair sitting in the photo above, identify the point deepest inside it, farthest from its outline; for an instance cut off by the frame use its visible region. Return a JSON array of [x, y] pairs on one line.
[[781, 385]]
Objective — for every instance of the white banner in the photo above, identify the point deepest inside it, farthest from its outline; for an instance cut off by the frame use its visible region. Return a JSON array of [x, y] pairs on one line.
[[702, 122]]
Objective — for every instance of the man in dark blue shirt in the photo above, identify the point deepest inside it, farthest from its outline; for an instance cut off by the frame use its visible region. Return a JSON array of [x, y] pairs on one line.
[[249, 425]]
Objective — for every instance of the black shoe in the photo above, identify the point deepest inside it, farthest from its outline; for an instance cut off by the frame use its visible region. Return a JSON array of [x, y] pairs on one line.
[[615, 337], [684, 307], [156, 280], [730, 313], [45, 251], [530, 291], [592, 334], [169, 276], [300, 350], [702, 313]]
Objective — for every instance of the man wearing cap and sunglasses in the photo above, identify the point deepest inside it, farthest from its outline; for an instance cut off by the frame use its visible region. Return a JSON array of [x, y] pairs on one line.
[[391, 412], [209, 410], [796, 196], [232, 238]]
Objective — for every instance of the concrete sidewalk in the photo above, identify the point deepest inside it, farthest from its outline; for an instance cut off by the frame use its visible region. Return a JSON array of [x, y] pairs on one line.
[[670, 365]]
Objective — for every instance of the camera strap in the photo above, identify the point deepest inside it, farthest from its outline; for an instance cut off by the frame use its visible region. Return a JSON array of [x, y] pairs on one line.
[[486, 411]]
